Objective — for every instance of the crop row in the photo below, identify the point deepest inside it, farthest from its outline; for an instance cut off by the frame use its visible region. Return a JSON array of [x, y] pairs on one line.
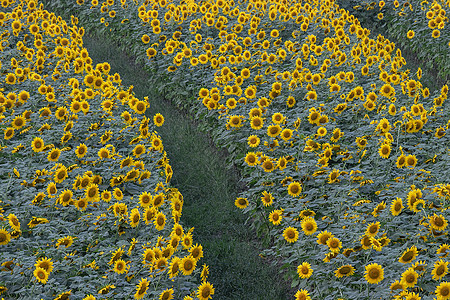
[[86, 209], [345, 152]]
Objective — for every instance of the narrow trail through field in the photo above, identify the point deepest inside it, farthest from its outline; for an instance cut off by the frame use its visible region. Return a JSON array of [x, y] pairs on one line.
[[209, 189]]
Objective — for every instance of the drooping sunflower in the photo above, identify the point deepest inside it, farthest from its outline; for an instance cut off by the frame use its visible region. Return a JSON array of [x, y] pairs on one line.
[[141, 289], [304, 270], [374, 273], [440, 269], [205, 291], [346, 270], [408, 255], [290, 234]]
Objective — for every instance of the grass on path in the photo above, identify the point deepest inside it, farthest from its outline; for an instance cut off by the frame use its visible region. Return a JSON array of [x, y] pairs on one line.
[[209, 189]]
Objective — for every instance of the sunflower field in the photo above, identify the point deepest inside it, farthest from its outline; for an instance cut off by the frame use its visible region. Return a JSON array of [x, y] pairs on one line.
[[343, 149], [86, 210]]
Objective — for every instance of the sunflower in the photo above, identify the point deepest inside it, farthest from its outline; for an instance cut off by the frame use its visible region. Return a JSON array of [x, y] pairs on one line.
[[409, 278], [158, 200], [374, 273], [205, 291], [276, 216], [323, 237], [302, 295], [37, 144], [145, 199], [120, 266], [408, 255], [196, 251], [267, 198], [438, 222], [411, 161], [60, 174], [294, 188], [290, 234], [53, 155], [5, 236], [18, 122], [89, 297], [440, 269], [41, 275], [251, 159], [45, 263], [253, 141], [158, 120], [166, 295], [65, 197], [63, 296], [268, 165], [81, 204], [9, 133], [372, 229], [309, 225], [401, 161], [256, 123], [397, 285], [103, 153], [396, 206], [443, 291], [346, 270], [304, 270], [14, 222], [134, 217], [141, 288], [384, 150], [159, 221], [334, 244], [188, 265], [65, 241], [410, 34]]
